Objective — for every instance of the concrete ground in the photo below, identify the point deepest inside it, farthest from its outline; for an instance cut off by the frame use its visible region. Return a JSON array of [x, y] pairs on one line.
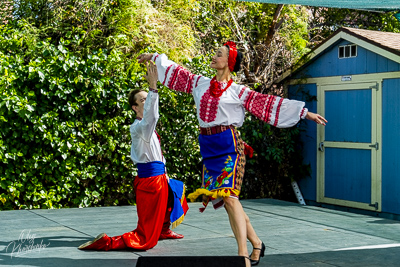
[[294, 235]]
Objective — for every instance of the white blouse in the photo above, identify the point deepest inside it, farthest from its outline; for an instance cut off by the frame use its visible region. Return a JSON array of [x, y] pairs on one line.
[[229, 108], [145, 144]]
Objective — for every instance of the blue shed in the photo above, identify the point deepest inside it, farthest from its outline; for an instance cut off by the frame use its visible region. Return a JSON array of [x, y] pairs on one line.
[[354, 75]]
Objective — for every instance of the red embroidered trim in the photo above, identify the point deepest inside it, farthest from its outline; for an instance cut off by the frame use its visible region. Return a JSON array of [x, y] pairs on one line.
[[209, 102], [184, 81], [208, 107], [248, 100], [270, 106], [277, 112], [241, 92], [197, 81], [181, 80], [166, 74], [260, 105], [216, 87], [173, 77], [156, 58], [302, 112], [190, 84]]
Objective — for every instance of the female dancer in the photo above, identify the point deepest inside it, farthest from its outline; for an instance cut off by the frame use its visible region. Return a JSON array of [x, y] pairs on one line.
[[221, 105]]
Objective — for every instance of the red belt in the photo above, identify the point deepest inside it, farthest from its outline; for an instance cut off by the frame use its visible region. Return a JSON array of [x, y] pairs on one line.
[[216, 129]]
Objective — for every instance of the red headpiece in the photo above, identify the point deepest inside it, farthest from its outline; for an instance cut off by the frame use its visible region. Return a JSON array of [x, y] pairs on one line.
[[232, 55]]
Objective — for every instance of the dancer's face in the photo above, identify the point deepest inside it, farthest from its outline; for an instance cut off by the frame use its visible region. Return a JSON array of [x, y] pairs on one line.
[[220, 59], [140, 100]]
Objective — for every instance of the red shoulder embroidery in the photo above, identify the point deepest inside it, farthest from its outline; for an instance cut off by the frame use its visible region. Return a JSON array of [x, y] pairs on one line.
[[241, 92], [197, 81]]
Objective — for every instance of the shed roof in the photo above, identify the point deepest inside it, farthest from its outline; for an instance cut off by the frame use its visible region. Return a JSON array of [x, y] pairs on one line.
[[386, 40], [386, 44]]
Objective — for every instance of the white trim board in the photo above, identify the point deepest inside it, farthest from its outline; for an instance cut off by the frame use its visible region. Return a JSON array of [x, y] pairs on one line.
[[358, 78]]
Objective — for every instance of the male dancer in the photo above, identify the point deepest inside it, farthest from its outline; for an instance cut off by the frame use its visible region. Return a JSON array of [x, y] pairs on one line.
[[159, 200]]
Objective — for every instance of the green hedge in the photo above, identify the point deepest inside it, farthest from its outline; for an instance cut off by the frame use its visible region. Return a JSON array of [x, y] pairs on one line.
[[64, 125], [277, 163]]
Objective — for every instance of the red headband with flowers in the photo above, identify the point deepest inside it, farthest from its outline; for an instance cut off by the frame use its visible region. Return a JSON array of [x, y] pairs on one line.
[[232, 55]]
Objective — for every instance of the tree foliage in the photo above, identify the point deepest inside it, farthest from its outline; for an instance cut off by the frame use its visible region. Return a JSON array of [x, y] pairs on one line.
[[64, 125], [66, 67], [324, 21]]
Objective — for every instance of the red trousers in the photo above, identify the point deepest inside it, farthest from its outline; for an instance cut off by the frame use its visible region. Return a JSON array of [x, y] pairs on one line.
[[153, 209]]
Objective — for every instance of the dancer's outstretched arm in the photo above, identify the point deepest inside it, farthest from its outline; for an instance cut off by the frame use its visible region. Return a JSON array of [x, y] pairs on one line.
[[316, 117], [274, 110]]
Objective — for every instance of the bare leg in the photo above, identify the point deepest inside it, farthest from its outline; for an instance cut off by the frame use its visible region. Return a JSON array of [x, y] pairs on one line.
[[253, 238], [241, 227]]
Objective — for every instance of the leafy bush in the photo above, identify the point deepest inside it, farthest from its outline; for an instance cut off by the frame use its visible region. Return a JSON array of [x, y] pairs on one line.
[[65, 72], [65, 137], [65, 125], [277, 163]]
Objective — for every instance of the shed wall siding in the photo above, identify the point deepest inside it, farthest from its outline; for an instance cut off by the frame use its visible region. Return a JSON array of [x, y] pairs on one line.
[[327, 68], [308, 136]]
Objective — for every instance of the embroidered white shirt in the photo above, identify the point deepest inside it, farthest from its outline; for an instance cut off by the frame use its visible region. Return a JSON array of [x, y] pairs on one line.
[[229, 108]]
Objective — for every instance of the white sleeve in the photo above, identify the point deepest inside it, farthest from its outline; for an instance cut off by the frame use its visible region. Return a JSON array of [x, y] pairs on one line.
[[145, 128]]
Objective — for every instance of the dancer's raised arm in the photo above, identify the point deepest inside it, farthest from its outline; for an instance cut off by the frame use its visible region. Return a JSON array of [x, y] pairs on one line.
[[171, 74], [146, 106]]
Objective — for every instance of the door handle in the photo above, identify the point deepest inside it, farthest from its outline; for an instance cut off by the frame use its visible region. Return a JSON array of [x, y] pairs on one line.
[[321, 147]]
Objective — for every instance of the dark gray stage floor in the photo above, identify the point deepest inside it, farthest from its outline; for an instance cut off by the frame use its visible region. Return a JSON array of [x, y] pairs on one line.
[[294, 235]]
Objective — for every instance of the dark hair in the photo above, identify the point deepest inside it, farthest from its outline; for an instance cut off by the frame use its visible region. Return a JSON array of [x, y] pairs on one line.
[[239, 58], [132, 97]]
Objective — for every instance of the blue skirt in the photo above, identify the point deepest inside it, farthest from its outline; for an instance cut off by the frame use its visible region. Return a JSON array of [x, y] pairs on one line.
[[223, 165]]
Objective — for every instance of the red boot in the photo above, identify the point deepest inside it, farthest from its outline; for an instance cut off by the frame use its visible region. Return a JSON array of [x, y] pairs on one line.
[[170, 235], [99, 243], [117, 242], [104, 242]]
